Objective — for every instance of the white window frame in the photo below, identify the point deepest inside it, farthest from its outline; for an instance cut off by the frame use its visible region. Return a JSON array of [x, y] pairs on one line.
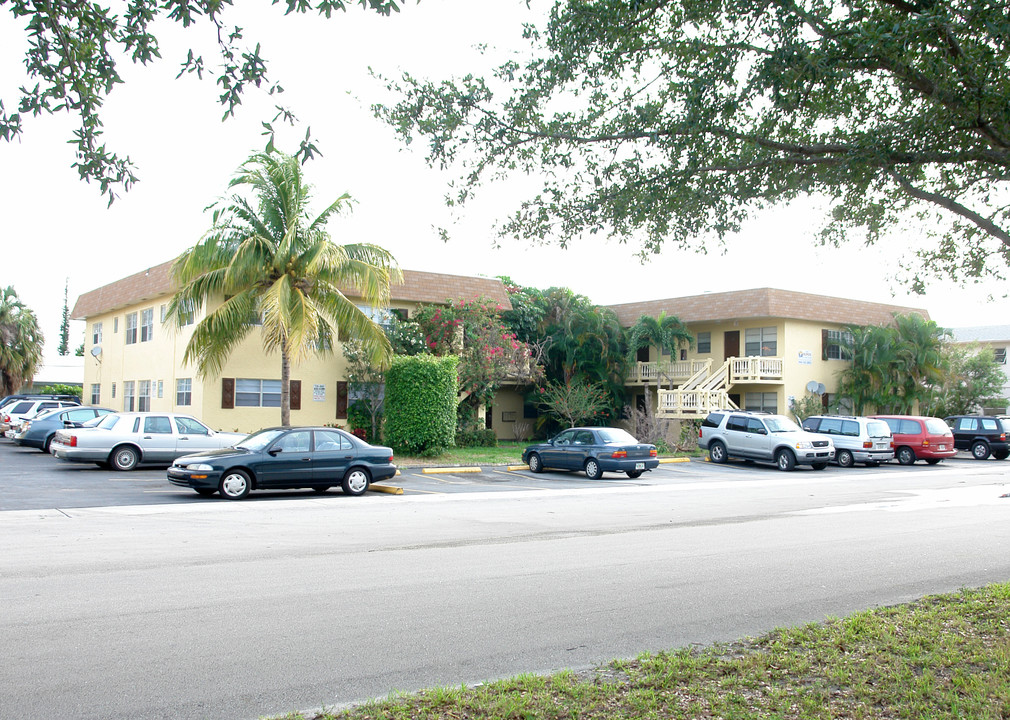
[[96, 393], [144, 396], [762, 401], [184, 392], [257, 392], [837, 340], [147, 325], [96, 333], [129, 395], [131, 328], [766, 340], [704, 342]]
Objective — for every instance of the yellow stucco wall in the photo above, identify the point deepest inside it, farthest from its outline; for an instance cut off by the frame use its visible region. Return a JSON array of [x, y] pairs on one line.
[[508, 403]]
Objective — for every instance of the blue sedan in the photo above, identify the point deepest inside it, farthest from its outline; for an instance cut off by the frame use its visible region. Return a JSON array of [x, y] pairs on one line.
[[285, 458], [40, 430], [595, 450]]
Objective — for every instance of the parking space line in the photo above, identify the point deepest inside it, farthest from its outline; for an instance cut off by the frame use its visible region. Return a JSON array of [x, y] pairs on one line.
[[131, 479]]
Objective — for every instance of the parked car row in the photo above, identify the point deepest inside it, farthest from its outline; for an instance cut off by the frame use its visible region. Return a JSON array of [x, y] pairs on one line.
[[206, 460], [847, 440]]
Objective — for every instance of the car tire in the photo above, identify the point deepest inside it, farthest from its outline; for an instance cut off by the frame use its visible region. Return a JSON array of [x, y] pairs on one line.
[[535, 463], [980, 450], [356, 481], [717, 453], [235, 485], [1001, 454], [905, 455], [818, 466], [785, 460], [124, 458], [634, 474], [47, 443], [593, 470], [933, 461], [205, 492], [845, 459]]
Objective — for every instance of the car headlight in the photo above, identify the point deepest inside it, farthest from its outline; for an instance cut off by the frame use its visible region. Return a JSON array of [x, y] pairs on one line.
[[804, 445], [200, 467]]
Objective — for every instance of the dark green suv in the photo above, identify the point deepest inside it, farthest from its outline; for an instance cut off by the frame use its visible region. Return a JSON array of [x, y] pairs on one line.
[[982, 435]]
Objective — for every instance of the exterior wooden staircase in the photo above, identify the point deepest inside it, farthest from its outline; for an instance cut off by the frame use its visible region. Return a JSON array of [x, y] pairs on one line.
[[707, 390]]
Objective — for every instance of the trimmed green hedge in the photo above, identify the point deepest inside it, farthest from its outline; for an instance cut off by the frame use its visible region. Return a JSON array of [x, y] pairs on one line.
[[421, 398], [476, 438]]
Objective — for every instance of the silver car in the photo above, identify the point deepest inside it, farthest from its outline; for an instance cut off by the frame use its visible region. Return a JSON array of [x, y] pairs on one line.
[[125, 440], [856, 439]]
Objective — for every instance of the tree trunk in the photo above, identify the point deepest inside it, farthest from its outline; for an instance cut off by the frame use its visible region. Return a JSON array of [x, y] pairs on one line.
[[285, 386]]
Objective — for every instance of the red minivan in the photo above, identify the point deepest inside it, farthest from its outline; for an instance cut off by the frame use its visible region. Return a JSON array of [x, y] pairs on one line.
[[919, 438]]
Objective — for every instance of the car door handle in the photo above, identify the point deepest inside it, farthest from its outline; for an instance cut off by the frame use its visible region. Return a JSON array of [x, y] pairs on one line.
[[348, 457]]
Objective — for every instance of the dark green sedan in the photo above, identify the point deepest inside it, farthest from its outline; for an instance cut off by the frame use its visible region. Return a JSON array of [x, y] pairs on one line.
[[595, 450], [285, 458]]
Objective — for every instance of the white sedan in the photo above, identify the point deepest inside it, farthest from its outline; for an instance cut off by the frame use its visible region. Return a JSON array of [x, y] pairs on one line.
[[125, 440]]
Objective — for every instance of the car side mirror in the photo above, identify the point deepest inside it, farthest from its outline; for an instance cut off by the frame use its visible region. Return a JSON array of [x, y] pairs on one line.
[[273, 451]]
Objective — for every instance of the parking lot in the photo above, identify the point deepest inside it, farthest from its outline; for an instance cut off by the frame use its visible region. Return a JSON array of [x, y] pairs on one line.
[[31, 480]]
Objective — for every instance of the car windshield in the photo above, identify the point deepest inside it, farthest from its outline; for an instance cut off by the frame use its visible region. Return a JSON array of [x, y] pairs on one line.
[[259, 440], [777, 423], [616, 435], [937, 426]]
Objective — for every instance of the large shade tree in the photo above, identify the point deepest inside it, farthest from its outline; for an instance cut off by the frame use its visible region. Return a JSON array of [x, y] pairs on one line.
[[74, 50], [665, 121], [268, 266], [21, 342]]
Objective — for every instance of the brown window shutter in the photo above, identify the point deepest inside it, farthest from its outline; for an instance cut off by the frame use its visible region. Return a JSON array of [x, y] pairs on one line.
[[228, 393], [341, 400], [296, 394], [824, 344]]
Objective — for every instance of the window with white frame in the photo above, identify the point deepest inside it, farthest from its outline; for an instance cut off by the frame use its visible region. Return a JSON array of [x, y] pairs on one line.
[[761, 342], [96, 393], [144, 396], [257, 393], [379, 316], [131, 328], [96, 333], [115, 324], [999, 353], [147, 325], [164, 312], [161, 388], [764, 401], [184, 391], [113, 391], [704, 342], [187, 312], [837, 344], [128, 395]]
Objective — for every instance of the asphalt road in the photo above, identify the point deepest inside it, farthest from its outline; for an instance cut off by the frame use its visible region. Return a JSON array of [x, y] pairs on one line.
[[192, 608]]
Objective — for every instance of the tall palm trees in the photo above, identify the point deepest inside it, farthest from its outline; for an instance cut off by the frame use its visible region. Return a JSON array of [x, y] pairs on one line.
[[270, 263], [20, 342]]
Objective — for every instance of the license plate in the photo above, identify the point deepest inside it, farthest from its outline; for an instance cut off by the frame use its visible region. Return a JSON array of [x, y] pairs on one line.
[[943, 447], [640, 466]]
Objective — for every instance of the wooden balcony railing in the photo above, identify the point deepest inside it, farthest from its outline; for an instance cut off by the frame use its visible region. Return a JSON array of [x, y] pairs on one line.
[[647, 373]]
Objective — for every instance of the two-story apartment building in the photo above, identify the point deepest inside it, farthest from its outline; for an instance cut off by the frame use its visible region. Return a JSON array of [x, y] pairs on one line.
[[996, 337], [756, 349], [133, 357]]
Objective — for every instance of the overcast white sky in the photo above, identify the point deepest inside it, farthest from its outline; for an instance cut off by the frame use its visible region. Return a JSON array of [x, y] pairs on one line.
[[55, 227]]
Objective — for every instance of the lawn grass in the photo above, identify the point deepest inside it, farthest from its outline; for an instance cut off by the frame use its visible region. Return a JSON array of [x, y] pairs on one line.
[[944, 656], [507, 453]]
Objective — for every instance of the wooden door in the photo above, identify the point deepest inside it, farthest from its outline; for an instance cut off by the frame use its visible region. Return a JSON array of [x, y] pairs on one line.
[[731, 344]]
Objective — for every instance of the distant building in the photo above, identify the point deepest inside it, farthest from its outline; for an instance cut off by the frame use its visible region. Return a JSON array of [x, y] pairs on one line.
[[57, 370], [998, 338]]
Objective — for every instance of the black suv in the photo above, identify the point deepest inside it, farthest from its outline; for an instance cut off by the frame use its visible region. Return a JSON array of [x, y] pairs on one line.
[[982, 435]]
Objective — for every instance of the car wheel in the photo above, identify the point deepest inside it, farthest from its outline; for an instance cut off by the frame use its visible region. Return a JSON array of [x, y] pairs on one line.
[[46, 443], [845, 459], [717, 453], [320, 490], [1001, 455], [535, 463], [820, 466], [356, 481], [932, 461], [785, 460], [634, 474], [593, 471], [205, 492], [124, 458], [980, 450], [235, 485], [905, 456]]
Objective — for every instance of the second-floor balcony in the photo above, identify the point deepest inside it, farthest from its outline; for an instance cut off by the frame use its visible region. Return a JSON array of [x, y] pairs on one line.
[[647, 373], [740, 370]]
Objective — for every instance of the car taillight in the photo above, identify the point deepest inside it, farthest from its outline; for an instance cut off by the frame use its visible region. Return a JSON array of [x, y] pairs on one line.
[[620, 454], [73, 441], [1002, 437], [867, 445], [653, 453], [699, 432], [925, 442]]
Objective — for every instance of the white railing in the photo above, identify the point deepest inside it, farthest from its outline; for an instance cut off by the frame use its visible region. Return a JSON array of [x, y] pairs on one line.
[[755, 369], [692, 403], [676, 371]]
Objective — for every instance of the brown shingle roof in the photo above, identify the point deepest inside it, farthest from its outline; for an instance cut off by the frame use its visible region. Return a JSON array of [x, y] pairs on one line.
[[762, 303], [417, 286]]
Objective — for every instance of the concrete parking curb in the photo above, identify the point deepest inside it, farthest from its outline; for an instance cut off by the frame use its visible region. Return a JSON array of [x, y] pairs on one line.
[[674, 460], [430, 471], [388, 489]]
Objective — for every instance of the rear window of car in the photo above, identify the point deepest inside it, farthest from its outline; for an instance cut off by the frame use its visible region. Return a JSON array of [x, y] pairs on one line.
[[21, 407], [937, 426], [991, 424], [878, 428], [713, 420], [614, 435]]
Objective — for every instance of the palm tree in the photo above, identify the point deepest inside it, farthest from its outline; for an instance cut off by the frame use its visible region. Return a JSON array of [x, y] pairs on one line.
[[666, 332], [271, 262], [920, 357], [21, 342]]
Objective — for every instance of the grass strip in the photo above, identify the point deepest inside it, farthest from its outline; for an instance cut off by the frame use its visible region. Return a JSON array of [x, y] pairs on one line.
[[943, 656]]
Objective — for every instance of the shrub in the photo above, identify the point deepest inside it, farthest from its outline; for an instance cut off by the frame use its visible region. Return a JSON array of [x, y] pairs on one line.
[[421, 398], [476, 438]]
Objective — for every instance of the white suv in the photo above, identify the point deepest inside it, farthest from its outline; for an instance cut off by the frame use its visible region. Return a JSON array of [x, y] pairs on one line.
[[763, 437]]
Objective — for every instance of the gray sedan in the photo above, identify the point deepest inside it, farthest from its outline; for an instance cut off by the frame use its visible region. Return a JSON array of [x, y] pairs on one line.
[[125, 440]]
